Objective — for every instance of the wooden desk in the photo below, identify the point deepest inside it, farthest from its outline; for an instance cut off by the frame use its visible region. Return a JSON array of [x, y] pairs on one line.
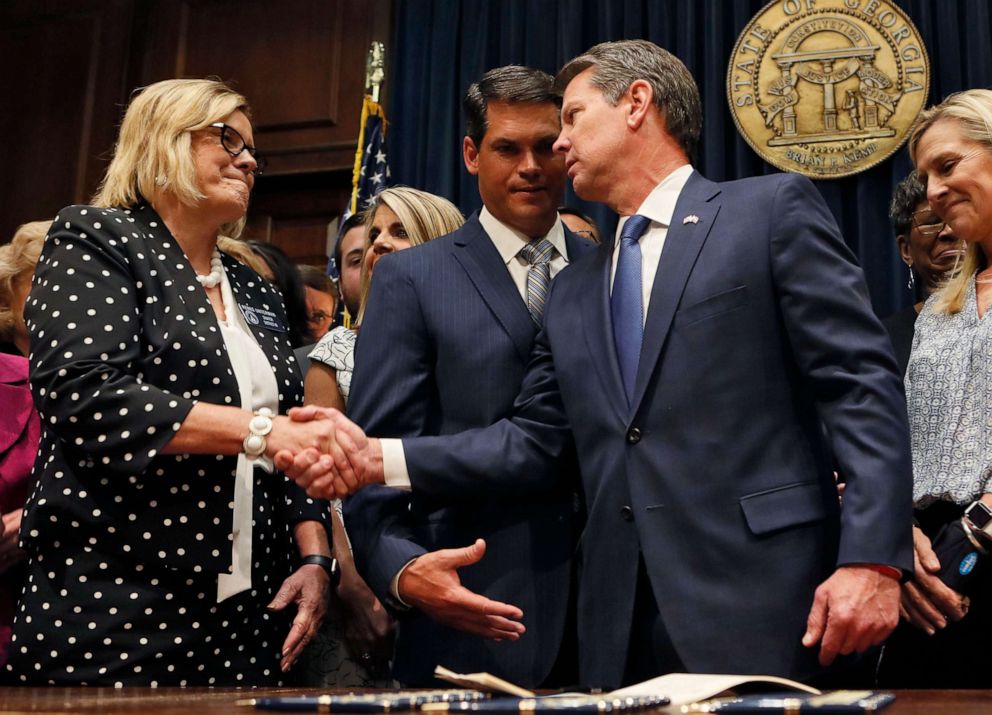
[[205, 701]]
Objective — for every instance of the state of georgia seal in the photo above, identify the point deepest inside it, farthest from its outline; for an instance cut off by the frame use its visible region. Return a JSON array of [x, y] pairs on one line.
[[827, 88]]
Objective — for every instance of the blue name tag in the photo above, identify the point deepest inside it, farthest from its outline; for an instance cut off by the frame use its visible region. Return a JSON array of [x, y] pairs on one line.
[[968, 563], [265, 318]]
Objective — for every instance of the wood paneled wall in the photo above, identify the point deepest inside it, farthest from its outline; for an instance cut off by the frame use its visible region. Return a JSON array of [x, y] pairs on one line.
[[67, 68]]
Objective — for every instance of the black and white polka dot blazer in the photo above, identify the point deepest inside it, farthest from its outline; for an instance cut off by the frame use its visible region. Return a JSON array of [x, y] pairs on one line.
[[124, 342]]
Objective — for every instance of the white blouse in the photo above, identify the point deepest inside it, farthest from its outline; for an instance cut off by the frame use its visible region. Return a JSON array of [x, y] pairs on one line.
[[258, 388], [949, 398]]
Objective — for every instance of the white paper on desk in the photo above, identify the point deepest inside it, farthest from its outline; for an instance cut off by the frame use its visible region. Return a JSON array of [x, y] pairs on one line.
[[684, 688]]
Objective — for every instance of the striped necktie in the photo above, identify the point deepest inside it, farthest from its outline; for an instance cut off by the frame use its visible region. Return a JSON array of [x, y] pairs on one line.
[[538, 254], [627, 302]]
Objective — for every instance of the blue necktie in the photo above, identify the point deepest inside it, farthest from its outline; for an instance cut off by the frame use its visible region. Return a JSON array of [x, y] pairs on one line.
[[626, 302]]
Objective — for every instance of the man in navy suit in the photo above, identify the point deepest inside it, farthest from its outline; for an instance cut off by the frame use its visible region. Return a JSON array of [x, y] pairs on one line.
[[443, 348], [714, 540]]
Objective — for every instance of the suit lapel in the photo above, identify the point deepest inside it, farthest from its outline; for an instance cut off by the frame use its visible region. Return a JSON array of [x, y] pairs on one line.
[[682, 246], [599, 329], [474, 250]]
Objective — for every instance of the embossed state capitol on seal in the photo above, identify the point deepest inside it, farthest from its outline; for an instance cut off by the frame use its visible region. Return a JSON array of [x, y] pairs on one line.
[[827, 88]]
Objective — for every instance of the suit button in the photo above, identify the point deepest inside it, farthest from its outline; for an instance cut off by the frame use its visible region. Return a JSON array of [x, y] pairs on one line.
[[634, 435], [626, 513]]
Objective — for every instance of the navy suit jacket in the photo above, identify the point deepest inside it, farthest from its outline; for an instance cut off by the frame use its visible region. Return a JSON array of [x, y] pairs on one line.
[[761, 356], [443, 348]]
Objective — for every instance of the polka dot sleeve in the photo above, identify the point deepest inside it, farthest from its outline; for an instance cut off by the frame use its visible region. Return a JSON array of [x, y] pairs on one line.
[[87, 313]]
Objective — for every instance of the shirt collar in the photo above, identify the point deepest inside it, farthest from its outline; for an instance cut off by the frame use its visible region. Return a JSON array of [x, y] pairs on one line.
[[659, 206], [509, 241]]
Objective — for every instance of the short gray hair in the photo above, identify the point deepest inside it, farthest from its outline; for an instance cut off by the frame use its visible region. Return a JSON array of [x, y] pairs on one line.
[[618, 64]]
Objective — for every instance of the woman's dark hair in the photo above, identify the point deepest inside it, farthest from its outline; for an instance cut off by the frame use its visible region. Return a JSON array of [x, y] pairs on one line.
[[907, 196], [286, 277]]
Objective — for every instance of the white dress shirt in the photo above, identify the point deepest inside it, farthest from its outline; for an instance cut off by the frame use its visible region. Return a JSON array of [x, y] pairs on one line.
[[509, 241], [659, 207]]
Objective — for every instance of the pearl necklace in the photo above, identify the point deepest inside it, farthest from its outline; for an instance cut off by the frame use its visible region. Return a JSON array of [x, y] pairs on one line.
[[213, 278]]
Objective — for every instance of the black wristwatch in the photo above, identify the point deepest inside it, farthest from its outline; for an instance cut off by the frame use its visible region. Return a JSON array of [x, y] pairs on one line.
[[978, 516], [328, 563]]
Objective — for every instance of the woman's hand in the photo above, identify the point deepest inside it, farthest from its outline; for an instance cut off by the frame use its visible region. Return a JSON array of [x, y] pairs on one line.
[[926, 601], [308, 588], [295, 436], [368, 628], [10, 526]]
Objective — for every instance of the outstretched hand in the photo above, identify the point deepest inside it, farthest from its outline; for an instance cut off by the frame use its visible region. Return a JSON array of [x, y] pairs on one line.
[[431, 584], [854, 609]]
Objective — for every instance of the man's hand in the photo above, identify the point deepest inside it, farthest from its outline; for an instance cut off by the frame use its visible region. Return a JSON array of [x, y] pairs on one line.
[[854, 609], [926, 601], [307, 587], [431, 584], [350, 461]]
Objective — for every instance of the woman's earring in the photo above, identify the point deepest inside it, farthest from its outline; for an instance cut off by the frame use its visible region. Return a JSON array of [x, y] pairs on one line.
[[160, 180], [911, 283]]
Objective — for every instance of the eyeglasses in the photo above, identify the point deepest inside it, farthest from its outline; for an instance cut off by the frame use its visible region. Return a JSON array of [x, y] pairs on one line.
[[930, 227], [234, 144]]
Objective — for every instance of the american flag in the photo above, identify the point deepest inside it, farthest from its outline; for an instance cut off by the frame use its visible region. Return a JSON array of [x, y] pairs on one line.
[[371, 174], [371, 162]]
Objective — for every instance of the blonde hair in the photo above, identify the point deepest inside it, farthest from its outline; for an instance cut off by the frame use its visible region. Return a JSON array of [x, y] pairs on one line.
[[424, 216], [17, 261], [972, 111], [154, 146]]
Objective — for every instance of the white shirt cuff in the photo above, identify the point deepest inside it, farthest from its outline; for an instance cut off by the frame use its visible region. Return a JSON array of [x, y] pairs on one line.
[[394, 469], [394, 585]]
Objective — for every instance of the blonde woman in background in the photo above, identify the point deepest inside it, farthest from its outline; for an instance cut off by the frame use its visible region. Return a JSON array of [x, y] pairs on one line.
[[947, 606], [399, 218], [17, 262]]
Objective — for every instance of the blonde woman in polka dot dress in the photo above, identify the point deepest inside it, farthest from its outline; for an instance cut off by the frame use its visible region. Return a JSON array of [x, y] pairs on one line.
[[161, 546]]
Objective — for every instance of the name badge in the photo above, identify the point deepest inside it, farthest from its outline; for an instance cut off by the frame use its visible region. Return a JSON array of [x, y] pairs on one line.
[[265, 318]]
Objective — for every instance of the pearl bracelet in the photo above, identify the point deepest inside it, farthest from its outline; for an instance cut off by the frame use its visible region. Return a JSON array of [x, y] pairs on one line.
[[258, 427]]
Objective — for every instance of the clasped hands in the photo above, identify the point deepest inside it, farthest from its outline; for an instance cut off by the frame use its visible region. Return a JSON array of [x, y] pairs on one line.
[[341, 465]]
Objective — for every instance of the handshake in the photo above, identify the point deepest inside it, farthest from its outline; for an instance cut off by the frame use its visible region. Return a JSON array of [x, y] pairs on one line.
[[339, 464]]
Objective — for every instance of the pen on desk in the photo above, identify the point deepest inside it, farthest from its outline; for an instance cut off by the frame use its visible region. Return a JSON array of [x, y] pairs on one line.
[[396, 701], [581, 704]]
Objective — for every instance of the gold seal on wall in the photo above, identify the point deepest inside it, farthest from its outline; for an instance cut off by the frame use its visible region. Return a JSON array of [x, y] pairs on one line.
[[827, 88]]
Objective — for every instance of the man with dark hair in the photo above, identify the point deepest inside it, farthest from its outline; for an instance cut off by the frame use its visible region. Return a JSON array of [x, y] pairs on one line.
[[443, 346], [695, 366], [348, 254]]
